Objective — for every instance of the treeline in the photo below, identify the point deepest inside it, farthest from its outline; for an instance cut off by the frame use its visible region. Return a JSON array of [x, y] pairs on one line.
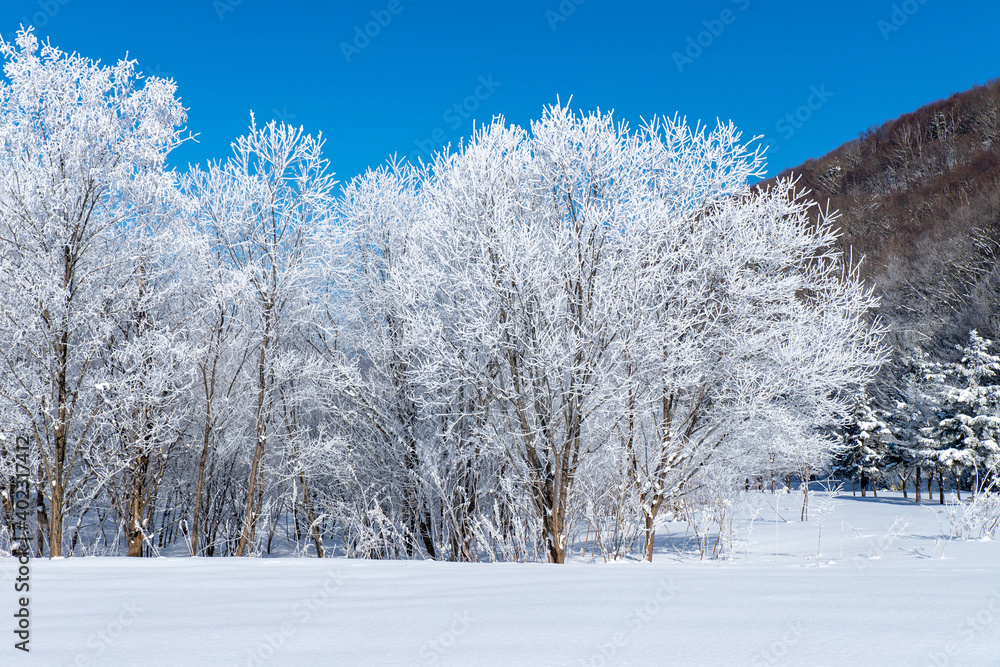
[[944, 425], [573, 324]]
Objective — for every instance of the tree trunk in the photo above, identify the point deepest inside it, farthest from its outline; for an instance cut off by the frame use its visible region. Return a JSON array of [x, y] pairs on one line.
[[545, 499], [200, 484], [310, 516], [56, 519], [57, 488], [427, 534], [257, 509], [916, 486], [134, 533], [649, 516], [43, 521], [940, 486], [250, 518], [552, 530], [805, 497]]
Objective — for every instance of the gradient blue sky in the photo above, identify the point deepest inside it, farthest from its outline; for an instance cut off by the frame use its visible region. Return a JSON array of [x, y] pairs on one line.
[[398, 93]]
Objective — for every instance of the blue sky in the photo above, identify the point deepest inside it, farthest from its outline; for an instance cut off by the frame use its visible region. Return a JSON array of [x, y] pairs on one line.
[[808, 76]]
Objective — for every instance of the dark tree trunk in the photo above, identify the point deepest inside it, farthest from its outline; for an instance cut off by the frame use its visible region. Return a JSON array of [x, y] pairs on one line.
[[311, 516], [650, 534], [136, 509]]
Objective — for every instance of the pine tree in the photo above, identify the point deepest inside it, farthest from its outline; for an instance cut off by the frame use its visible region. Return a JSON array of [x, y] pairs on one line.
[[899, 457], [923, 395], [862, 454], [966, 440]]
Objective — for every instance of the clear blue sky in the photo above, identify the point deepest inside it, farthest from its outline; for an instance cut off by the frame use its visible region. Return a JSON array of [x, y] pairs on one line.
[[858, 64]]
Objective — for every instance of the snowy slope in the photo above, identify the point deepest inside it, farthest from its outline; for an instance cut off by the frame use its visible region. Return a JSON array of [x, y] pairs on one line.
[[880, 594]]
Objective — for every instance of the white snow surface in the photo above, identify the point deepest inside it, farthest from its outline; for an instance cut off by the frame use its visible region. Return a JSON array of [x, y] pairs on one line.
[[879, 594]]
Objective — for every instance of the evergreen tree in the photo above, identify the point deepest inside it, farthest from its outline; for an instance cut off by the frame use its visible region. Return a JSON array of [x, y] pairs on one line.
[[922, 404], [966, 439], [862, 454], [900, 459]]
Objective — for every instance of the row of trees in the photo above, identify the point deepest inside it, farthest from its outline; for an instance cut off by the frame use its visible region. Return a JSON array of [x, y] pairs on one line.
[[945, 425], [466, 359]]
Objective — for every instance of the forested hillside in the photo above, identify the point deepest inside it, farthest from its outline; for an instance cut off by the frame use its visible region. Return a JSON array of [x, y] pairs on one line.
[[919, 198]]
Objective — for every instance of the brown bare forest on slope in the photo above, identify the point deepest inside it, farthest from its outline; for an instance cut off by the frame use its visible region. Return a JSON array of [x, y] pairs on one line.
[[919, 198]]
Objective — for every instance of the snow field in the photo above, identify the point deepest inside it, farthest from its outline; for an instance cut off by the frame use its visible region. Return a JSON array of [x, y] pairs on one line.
[[881, 595]]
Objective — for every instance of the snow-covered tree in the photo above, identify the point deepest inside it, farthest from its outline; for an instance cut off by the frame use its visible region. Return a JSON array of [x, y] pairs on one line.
[[921, 402], [634, 278], [862, 451], [264, 208], [535, 237], [82, 151], [219, 355], [739, 344], [967, 438], [383, 494], [147, 376]]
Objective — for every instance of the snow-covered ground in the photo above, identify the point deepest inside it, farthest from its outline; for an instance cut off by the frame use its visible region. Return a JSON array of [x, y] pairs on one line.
[[888, 589]]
